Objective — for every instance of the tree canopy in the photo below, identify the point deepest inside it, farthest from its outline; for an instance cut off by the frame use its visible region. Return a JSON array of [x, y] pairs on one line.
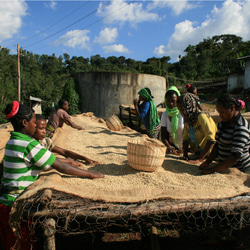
[[49, 78]]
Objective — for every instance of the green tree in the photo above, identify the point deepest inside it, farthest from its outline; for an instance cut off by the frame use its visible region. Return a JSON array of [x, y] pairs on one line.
[[97, 62], [70, 94]]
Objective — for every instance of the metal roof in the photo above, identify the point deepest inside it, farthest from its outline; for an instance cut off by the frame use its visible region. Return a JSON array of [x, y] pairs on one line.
[[35, 99]]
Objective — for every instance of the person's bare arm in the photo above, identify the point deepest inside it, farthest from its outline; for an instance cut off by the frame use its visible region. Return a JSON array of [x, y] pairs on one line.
[[203, 154], [165, 139], [70, 161], [73, 155], [185, 151], [71, 170], [136, 104], [210, 158], [229, 162], [73, 125], [206, 150]]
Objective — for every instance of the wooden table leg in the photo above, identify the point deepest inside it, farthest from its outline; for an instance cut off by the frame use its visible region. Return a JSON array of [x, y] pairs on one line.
[[154, 239], [49, 235]]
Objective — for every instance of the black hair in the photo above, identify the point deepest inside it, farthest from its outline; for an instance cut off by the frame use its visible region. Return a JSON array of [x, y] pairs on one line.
[[39, 117], [24, 113], [227, 101], [61, 103], [149, 91], [190, 88], [170, 93]]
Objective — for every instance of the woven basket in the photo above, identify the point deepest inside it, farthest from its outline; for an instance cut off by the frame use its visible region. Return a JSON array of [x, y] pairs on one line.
[[114, 123], [146, 155]]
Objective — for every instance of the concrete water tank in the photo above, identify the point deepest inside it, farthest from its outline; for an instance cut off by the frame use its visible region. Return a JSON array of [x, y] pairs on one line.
[[102, 92]]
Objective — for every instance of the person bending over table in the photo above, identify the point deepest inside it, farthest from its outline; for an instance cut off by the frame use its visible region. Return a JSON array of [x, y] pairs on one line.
[[59, 117], [47, 142], [232, 138]]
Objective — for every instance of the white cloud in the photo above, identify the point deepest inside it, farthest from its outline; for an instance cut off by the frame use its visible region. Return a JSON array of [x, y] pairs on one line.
[[75, 39], [177, 6], [51, 4], [115, 48], [121, 11], [231, 18], [11, 13], [107, 35]]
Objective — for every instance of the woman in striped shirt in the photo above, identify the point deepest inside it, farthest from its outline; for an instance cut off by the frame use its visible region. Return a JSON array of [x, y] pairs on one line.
[[24, 159], [232, 138]]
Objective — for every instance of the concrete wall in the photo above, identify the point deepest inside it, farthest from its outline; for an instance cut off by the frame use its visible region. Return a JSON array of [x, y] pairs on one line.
[[102, 92], [235, 81], [247, 74]]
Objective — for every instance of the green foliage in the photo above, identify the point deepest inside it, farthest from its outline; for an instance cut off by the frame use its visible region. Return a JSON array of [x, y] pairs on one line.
[[70, 94], [213, 57]]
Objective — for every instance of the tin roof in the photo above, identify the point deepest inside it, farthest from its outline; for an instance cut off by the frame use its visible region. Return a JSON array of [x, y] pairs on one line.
[[35, 99]]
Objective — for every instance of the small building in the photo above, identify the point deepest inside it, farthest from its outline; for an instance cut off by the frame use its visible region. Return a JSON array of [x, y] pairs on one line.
[[240, 79], [36, 104], [247, 71], [235, 81]]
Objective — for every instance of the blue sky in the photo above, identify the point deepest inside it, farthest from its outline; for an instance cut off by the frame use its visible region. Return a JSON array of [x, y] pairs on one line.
[[134, 29]]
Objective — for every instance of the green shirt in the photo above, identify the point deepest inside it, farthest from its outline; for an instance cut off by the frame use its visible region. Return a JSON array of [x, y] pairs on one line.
[[24, 159]]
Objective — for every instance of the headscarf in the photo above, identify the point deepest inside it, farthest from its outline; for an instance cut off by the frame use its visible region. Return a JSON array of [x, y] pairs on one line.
[[153, 117], [242, 104], [174, 113], [190, 107], [14, 110]]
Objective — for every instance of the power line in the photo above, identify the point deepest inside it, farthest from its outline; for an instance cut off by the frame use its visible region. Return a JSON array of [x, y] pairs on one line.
[[65, 27], [50, 26], [87, 25]]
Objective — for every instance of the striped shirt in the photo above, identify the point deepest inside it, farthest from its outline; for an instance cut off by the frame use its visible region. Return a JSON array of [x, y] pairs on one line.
[[24, 159], [233, 139], [47, 143]]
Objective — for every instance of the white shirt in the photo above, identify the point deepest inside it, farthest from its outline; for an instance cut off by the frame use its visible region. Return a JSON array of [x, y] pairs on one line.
[[165, 122]]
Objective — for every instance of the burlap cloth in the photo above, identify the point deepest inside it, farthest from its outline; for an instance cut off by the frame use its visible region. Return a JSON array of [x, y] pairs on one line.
[[176, 179]]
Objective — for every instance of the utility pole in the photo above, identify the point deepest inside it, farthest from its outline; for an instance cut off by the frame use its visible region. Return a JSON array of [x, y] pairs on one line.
[[18, 73]]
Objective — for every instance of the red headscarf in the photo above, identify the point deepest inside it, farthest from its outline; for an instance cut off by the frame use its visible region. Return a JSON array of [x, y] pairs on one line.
[[14, 110]]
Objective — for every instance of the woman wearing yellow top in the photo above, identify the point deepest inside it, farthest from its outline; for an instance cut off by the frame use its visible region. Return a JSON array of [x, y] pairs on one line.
[[199, 128]]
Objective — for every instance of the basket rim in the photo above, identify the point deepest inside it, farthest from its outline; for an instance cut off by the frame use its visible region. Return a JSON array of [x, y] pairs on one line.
[[145, 143]]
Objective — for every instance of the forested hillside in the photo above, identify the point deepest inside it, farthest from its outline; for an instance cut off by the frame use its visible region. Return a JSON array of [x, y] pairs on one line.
[[48, 77]]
